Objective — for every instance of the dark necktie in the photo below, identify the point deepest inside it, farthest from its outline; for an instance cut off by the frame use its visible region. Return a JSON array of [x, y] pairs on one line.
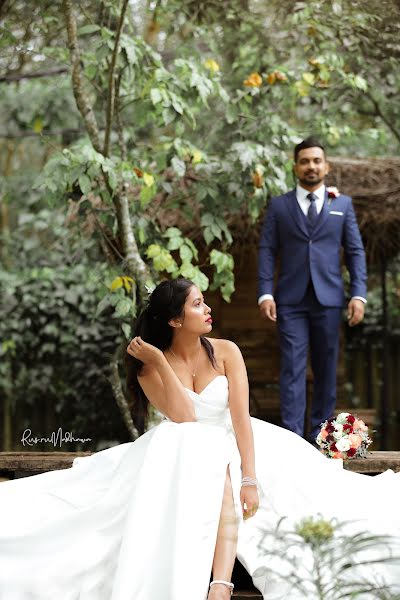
[[312, 209]]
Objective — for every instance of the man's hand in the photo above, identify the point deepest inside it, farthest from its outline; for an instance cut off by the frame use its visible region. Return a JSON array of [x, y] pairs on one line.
[[355, 312], [268, 309]]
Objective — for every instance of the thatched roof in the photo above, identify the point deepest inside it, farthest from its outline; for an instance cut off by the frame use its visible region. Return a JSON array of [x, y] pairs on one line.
[[373, 183]]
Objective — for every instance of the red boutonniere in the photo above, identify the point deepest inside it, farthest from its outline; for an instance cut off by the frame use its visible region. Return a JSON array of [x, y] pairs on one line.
[[333, 193]]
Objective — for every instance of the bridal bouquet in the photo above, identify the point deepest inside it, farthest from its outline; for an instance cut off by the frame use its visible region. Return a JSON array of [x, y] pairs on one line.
[[344, 436]]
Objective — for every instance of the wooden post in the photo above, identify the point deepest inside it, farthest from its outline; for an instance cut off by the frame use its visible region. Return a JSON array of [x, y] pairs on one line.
[[385, 357]]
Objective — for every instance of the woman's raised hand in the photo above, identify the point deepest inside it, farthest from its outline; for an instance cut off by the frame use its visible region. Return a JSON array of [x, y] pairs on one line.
[[147, 353]]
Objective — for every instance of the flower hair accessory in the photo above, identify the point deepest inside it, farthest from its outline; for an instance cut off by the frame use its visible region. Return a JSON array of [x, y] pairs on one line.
[[344, 436]]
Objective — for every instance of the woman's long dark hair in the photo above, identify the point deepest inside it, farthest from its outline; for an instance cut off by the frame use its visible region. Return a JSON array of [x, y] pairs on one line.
[[165, 303]]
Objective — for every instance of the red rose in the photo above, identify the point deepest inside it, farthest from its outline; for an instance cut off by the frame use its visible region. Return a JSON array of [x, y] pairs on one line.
[[333, 447], [330, 428], [348, 427], [351, 452], [351, 419], [329, 438]]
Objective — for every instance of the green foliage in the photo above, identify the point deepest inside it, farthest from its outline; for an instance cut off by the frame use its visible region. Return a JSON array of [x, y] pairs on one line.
[[55, 351], [315, 532], [328, 560], [223, 276], [38, 108], [210, 98], [196, 118]]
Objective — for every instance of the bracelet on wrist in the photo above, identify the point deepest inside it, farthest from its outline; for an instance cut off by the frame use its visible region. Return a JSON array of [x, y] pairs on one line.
[[247, 481]]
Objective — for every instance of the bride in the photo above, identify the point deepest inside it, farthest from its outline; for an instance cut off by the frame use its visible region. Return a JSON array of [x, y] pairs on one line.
[[178, 360], [154, 518]]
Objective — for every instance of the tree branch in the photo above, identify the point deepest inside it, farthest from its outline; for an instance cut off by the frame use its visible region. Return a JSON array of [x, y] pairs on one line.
[[120, 128], [25, 134], [134, 263], [81, 97], [38, 74], [385, 118], [2, 7], [136, 267], [151, 29], [111, 80], [115, 382]]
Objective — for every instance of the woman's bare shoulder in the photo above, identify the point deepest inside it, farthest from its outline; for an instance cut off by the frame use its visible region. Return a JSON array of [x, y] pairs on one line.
[[224, 347]]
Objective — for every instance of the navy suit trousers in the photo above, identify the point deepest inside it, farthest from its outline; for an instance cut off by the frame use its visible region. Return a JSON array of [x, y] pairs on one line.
[[302, 327]]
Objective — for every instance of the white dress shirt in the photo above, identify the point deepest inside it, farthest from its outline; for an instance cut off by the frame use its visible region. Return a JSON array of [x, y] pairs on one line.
[[304, 203]]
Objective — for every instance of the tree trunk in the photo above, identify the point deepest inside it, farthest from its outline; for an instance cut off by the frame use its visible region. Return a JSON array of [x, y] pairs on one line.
[[134, 264], [82, 100]]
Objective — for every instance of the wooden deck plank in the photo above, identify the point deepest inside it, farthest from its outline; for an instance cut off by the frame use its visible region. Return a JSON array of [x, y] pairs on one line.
[[376, 462], [38, 461]]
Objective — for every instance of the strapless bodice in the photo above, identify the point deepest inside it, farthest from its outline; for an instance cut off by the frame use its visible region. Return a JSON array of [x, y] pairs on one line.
[[211, 404]]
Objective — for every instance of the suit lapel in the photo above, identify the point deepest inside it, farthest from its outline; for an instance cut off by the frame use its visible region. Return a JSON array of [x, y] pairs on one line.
[[295, 212], [322, 216]]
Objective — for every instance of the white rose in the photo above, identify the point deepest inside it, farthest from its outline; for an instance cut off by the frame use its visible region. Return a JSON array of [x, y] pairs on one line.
[[343, 445], [342, 418], [339, 431]]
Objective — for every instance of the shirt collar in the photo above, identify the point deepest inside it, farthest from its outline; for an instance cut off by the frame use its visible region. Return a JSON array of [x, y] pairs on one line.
[[301, 193]]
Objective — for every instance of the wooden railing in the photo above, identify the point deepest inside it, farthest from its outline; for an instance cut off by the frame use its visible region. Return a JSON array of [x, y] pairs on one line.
[[28, 463], [376, 462]]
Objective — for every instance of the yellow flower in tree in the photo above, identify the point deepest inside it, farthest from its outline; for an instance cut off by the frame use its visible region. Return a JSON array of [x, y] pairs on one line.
[[148, 179], [37, 125], [196, 157], [127, 283], [139, 172], [253, 80], [258, 179], [118, 282], [309, 78], [275, 77], [302, 88], [211, 65]]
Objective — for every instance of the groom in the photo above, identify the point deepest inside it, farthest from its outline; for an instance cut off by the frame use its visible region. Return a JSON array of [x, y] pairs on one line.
[[306, 228]]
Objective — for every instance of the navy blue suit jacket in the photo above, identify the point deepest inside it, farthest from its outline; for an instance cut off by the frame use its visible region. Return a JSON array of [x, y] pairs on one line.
[[316, 255]]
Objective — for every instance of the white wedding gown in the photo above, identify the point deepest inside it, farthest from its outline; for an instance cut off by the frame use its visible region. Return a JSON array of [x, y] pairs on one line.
[[139, 521]]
